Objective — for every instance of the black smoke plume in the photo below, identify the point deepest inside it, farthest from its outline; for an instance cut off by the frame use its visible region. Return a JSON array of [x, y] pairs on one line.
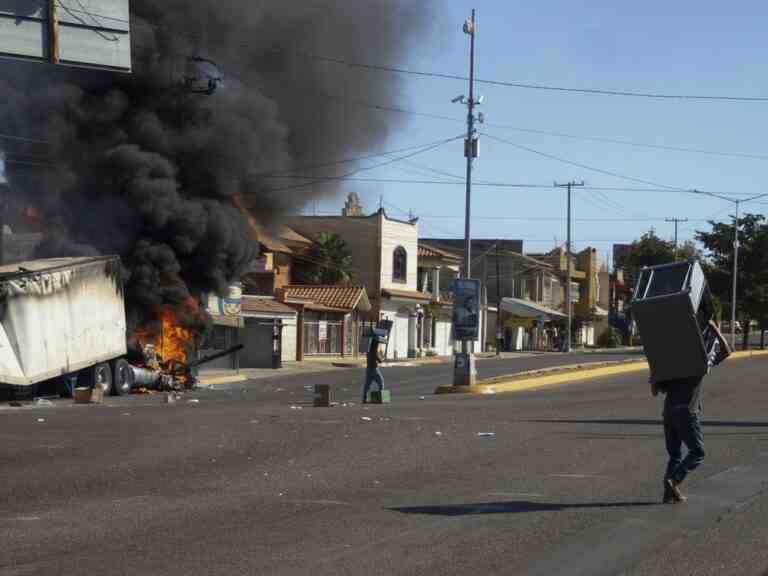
[[147, 167]]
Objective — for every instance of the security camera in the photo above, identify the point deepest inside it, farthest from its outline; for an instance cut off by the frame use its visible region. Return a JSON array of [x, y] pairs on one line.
[[458, 99]]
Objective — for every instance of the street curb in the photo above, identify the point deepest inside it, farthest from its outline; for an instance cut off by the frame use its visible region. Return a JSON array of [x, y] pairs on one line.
[[223, 380], [563, 374], [545, 378]]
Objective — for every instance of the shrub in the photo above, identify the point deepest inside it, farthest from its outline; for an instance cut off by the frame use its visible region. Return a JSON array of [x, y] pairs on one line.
[[610, 338]]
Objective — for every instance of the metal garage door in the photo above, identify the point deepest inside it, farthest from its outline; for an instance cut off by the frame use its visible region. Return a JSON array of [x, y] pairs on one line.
[[257, 340]]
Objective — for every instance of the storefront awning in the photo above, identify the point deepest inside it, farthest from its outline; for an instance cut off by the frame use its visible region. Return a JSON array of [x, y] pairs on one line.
[[229, 321], [528, 309]]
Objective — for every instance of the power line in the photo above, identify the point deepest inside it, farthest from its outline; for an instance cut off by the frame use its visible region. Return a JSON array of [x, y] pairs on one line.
[[551, 218], [584, 166], [630, 143], [290, 173], [529, 86], [357, 171]]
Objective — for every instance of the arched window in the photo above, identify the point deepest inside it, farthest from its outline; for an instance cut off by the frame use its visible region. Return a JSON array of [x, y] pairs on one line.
[[400, 265]]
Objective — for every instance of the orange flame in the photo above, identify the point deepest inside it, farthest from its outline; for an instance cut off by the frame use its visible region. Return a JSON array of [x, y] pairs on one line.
[[173, 342]]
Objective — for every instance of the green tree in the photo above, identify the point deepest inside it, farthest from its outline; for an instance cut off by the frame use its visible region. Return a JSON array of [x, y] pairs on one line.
[[327, 262], [649, 250], [752, 291]]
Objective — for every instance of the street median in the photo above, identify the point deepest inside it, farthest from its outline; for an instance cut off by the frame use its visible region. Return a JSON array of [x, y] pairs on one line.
[[559, 375]]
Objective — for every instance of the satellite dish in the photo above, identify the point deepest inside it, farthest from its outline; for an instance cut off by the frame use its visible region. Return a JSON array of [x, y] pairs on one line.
[[202, 76]]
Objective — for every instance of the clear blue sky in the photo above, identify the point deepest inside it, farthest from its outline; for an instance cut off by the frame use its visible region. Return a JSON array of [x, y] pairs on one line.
[[710, 48]]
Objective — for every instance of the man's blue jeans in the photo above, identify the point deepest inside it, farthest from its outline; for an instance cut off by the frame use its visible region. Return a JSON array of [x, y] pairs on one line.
[[372, 376], [681, 426]]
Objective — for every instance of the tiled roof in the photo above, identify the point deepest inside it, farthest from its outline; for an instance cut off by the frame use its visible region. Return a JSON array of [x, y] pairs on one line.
[[331, 297], [406, 295], [259, 305], [430, 251]]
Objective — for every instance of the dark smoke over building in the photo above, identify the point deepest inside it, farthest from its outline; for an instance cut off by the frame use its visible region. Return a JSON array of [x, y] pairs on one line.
[[148, 167]]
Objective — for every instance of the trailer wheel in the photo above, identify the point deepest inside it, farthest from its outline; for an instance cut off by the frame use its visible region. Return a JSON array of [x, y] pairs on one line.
[[122, 377], [100, 375]]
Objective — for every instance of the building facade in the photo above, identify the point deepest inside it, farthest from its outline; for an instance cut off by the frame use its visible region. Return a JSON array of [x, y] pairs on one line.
[[385, 256]]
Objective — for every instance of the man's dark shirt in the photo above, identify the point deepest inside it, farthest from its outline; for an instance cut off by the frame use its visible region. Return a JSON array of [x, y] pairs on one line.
[[373, 355], [683, 392]]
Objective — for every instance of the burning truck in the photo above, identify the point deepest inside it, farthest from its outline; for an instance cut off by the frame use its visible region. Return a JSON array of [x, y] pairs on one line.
[[63, 321]]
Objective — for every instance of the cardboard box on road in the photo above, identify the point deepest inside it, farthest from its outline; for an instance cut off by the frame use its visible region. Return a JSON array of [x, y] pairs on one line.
[[89, 395]]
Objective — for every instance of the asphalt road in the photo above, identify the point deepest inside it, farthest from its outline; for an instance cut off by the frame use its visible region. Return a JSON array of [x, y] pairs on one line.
[[251, 480], [421, 379]]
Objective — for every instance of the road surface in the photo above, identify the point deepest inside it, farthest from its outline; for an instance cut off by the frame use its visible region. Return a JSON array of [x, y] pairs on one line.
[[252, 480]]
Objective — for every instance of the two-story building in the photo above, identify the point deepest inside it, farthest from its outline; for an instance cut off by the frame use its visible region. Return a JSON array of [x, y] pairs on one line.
[[385, 257], [589, 291]]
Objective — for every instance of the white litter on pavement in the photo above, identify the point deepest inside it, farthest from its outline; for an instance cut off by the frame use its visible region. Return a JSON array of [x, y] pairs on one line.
[[487, 434], [366, 418]]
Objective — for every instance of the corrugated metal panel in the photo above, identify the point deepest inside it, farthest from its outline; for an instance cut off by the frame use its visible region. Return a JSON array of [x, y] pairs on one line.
[[95, 47], [26, 38], [91, 32], [25, 8], [100, 14]]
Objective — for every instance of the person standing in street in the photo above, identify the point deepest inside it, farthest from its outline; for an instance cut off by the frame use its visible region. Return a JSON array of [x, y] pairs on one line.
[[373, 371], [682, 418], [682, 411]]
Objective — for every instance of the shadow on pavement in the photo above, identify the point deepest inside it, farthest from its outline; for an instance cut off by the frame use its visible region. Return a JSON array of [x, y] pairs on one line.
[[652, 422], [511, 507]]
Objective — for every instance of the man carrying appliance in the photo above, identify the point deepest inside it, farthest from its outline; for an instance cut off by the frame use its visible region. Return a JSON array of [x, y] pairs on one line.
[[673, 310]]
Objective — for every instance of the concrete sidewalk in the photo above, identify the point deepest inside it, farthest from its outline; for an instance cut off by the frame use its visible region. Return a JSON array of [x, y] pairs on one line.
[[214, 377]]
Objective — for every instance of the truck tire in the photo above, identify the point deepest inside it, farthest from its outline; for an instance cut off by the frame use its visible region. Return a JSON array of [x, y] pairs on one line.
[[98, 375], [122, 377]]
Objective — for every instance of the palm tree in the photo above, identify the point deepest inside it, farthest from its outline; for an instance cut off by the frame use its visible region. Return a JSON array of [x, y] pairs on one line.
[[327, 262]]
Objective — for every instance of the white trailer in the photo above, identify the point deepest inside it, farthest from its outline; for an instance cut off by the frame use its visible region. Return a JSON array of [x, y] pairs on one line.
[[64, 317]]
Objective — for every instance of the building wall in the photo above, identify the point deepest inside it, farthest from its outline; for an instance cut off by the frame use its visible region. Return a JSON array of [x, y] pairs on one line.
[[283, 264], [362, 238], [398, 337], [393, 235], [290, 339], [444, 337]]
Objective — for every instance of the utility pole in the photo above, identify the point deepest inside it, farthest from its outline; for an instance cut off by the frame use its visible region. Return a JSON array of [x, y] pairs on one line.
[[470, 146], [676, 221], [53, 32], [499, 336], [735, 274], [465, 374], [569, 186]]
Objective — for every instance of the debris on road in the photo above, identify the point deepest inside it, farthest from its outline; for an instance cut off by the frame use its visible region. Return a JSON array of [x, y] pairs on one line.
[[422, 397], [296, 408], [41, 419], [40, 402], [366, 418], [193, 401], [438, 433], [486, 434]]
